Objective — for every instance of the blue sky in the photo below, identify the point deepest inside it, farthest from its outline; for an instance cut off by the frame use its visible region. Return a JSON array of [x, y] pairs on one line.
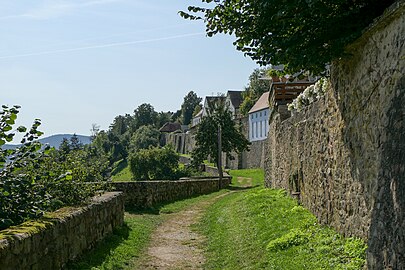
[[73, 63]]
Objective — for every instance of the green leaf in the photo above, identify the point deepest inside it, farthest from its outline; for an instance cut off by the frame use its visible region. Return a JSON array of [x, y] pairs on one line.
[[21, 129]]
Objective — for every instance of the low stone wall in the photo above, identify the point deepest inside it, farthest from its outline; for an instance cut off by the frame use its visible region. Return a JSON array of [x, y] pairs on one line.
[[144, 194], [51, 242]]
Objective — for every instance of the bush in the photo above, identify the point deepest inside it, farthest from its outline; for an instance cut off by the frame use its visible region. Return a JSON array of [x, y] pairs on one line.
[[33, 179], [155, 163]]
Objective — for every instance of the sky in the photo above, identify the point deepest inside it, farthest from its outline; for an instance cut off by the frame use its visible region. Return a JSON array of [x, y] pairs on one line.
[[72, 63]]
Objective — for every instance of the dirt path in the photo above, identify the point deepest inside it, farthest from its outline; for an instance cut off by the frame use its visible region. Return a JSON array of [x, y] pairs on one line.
[[174, 244], [245, 181]]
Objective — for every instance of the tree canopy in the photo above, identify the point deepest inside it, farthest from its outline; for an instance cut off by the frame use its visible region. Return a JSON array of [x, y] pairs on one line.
[[191, 100], [143, 138], [254, 90], [303, 35], [144, 115], [207, 134]]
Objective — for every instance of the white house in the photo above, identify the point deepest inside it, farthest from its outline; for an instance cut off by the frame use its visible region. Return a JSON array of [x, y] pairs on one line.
[[233, 100], [259, 119], [197, 118]]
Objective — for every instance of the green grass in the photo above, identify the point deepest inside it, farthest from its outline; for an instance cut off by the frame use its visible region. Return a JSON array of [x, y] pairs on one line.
[[257, 176], [121, 249], [121, 172], [126, 245], [264, 229]]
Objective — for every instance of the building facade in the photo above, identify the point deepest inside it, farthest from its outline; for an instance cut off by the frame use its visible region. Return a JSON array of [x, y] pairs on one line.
[[259, 119]]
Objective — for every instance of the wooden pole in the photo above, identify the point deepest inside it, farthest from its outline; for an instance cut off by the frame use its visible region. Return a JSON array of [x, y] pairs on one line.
[[219, 155]]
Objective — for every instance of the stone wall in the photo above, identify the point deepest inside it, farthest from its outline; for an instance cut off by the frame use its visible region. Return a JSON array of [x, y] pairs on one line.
[[248, 159], [182, 143], [144, 194], [345, 154], [63, 235], [256, 156]]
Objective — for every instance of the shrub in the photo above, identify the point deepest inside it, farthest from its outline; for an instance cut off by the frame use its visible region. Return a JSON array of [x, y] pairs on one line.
[[155, 163], [33, 179]]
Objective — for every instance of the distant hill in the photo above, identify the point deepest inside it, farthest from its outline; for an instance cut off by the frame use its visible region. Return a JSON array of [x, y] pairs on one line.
[[54, 140]]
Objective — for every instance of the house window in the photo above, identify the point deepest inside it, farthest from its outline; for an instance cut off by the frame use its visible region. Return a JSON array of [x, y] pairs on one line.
[[257, 131], [261, 128], [260, 114]]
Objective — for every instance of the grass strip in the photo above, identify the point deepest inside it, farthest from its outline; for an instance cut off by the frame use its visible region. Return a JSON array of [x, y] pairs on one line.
[[127, 244], [264, 229]]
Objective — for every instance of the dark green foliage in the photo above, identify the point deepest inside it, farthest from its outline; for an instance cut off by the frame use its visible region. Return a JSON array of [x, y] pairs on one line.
[[20, 196], [176, 117], [163, 118], [191, 100], [207, 134], [36, 179], [305, 35], [256, 87], [75, 143], [143, 138], [155, 164], [145, 115], [118, 137]]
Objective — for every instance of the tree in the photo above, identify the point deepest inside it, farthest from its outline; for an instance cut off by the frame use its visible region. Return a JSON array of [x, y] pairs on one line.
[[176, 117], [145, 115], [33, 179], [256, 87], [143, 138], [75, 143], [232, 140], [118, 136], [304, 35], [163, 118], [95, 129], [191, 100], [197, 109], [154, 163]]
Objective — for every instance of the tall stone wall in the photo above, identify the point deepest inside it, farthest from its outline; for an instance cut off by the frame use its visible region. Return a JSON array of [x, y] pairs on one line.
[[257, 154], [345, 154], [254, 158], [51, 242]]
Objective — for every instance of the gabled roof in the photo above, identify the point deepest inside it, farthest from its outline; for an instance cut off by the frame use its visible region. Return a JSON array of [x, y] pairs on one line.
[[262, 103], [199, 114], [210, 99], [170, 127], [235, 97]]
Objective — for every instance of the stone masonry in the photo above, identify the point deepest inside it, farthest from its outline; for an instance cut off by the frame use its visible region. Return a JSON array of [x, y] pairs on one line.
[[52, 241], [345, 153]]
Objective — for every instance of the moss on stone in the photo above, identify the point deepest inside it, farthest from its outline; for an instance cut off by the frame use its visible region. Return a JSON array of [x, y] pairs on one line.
[[27, 228]]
